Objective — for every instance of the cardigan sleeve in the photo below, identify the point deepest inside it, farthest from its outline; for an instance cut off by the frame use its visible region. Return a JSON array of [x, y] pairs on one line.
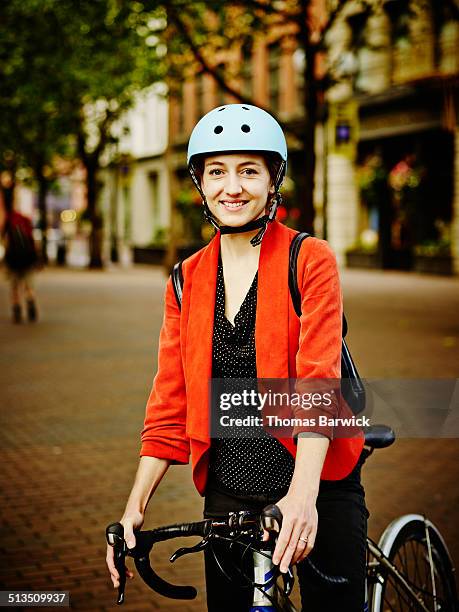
[[320, 341], [164, 431]]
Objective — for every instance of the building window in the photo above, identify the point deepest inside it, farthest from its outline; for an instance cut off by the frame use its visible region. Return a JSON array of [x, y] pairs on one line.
[[274, 76]]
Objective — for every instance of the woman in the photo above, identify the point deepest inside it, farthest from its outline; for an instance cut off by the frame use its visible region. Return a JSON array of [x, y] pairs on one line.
[[237, 321]]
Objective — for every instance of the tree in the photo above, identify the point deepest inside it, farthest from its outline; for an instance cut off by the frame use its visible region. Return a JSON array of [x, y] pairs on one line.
[[117, 56], [36, 115], [205, 30], [70, 69]]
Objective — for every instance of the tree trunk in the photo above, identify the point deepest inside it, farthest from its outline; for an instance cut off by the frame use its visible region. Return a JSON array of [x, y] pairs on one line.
[[306, 177], [172, 247], [95, 237], [43, 220]]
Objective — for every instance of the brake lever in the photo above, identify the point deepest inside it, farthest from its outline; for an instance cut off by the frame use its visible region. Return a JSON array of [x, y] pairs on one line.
[[289, 581], [144, 543], [190, 549], [115, 537]]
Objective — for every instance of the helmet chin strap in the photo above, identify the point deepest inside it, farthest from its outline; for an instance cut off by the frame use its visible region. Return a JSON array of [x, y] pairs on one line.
[[260, 223]]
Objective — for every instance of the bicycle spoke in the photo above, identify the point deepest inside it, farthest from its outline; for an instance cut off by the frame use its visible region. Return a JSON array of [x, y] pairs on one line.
[[412, 559], [418, 580], [391, 608], [403, 560], [407, 566], [395, 596]]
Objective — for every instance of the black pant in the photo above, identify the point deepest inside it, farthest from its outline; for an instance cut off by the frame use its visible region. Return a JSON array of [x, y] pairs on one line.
[[340, 549]]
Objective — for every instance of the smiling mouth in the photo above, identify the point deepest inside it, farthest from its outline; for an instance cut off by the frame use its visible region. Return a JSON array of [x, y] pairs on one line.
[[233, 205]]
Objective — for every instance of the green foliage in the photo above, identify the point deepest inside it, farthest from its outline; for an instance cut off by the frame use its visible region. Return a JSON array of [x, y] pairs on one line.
[[363, 247], [116, 54], [372, 179], [160, 236], [189, 206], [433, 248], [36, 113], [71, 67]]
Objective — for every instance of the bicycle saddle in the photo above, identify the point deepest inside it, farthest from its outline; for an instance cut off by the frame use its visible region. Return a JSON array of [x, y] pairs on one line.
[[379, 436]]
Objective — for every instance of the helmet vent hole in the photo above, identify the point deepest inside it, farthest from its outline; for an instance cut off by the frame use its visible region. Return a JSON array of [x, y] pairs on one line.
[[222, 108], [218, 129], [245, 128], [245, 108]]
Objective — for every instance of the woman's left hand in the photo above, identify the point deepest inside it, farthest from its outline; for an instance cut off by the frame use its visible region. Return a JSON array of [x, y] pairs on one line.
[[299, 528]]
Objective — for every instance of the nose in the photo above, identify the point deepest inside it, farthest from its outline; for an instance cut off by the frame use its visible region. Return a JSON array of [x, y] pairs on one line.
[[233, 184]]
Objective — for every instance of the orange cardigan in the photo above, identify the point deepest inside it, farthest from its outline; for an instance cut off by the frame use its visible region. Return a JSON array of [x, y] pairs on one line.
[[177, 420]]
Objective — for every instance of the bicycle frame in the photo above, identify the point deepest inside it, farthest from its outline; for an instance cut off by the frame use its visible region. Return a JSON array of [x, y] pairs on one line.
[[266, 589], [374, 573], [268, 595], [263, 569]]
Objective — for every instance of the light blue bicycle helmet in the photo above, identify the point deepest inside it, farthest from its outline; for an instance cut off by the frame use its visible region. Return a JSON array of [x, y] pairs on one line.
[[232, 128]]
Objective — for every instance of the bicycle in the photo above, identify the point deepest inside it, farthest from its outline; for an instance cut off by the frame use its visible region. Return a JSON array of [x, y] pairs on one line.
[[409, 569]]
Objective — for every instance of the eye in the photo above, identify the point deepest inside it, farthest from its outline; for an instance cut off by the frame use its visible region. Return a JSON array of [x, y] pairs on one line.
[[214, 170], [250, 171]]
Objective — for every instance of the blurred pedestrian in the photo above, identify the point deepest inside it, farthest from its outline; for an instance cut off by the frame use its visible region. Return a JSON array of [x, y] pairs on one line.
[[20, 260]]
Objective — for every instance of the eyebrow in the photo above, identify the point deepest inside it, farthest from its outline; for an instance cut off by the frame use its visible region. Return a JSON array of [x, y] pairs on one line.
[[246, 163]]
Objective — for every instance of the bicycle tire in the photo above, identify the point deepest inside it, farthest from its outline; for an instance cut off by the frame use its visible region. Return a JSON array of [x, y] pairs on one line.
[[404, 543]]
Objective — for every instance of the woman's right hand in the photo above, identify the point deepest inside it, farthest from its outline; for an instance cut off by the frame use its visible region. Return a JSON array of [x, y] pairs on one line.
[[131, 521]]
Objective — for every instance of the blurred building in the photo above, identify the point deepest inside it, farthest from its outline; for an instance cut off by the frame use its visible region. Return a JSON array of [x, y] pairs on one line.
[[393, 135], [387, 179], [387, 143], [134, 198]]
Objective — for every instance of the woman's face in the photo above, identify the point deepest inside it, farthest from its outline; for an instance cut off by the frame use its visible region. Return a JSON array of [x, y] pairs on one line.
[[237, 187]]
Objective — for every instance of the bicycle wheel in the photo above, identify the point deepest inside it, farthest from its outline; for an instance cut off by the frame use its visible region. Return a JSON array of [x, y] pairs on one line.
[[404, 543]]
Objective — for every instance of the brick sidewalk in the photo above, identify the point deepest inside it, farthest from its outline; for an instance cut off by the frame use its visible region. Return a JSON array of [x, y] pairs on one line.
[[74, 389]]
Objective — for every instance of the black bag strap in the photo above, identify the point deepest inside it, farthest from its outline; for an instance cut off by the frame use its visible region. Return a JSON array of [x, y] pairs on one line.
[[177, 283], [295, 294]]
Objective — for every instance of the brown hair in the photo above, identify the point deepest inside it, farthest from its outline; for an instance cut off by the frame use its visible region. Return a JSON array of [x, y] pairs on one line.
[[273, 161]]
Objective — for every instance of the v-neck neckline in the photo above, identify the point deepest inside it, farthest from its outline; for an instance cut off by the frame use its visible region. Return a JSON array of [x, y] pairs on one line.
[[237, 316]]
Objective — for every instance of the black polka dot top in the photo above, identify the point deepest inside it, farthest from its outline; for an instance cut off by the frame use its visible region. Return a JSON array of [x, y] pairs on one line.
[[243, 465]]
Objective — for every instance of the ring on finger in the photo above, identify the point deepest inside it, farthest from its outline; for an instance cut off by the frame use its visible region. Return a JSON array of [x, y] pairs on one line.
[[305, 540]]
